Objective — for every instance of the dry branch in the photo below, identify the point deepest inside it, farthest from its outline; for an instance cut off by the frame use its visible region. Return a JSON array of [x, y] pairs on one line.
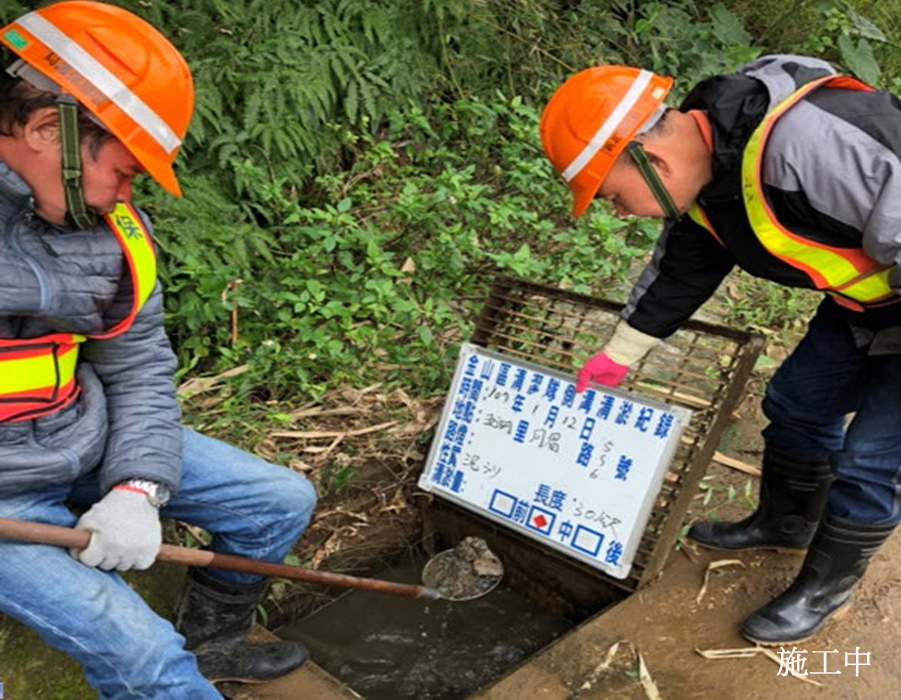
[[320, 434]]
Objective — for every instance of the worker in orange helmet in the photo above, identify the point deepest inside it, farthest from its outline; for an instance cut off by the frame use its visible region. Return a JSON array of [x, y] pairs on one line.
[[93, 97], [793, 173]]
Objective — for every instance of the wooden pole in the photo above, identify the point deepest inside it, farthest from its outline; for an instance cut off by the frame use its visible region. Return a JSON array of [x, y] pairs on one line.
[[39, 533]]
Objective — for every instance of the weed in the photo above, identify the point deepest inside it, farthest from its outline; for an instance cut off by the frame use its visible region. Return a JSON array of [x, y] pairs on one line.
[[723, 496], [764, 306]]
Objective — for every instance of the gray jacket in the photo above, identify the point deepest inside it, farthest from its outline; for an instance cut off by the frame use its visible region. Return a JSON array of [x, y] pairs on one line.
[[125, 422]]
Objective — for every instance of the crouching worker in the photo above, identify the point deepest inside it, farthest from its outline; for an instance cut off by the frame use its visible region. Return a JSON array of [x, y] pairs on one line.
[[94, 96], [792, 173]]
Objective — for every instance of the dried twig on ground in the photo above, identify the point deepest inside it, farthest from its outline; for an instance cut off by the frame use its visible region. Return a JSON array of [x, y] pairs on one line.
[[716, 565], [748, 652], [644, 677], [736, 464]]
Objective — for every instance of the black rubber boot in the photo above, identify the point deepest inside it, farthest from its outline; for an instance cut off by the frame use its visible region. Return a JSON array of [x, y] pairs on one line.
[[837, 559], [215, 618], [792, 499]]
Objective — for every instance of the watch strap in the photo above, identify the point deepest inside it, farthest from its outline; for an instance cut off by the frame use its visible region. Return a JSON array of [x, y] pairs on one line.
[[156, 493]]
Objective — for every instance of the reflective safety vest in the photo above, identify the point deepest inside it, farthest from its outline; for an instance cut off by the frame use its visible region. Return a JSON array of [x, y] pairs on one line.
[[854, 280], [37, 376]]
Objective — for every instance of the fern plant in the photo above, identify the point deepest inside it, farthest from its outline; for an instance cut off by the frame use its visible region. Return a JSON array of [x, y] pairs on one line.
[[274, 76]]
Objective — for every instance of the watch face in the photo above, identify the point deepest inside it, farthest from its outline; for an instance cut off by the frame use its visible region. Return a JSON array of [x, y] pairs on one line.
[[159, 495]]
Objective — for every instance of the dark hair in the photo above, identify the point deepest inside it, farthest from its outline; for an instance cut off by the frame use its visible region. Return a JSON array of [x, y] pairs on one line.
[[19, 99]]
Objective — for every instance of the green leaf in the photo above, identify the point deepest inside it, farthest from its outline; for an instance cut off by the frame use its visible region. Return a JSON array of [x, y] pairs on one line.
[[864, 27], [425, 335], [859, 59], [764, 362], [728, 28], [351, 102]]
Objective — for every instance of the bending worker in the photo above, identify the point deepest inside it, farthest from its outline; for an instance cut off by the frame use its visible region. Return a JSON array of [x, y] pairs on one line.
[[93, 97], [791, 172]]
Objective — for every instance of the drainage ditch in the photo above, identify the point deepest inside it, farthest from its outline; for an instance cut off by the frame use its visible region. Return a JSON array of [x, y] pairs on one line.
[[388, 648]]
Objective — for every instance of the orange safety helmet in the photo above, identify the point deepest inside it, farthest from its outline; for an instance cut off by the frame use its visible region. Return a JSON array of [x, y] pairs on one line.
[[592, 117], [120, 68]]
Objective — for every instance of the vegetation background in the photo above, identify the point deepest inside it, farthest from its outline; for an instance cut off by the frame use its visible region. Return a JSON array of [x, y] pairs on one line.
[[358, 171]]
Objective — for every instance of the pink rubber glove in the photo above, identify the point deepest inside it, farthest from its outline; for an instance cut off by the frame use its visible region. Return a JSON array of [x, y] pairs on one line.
[[600, 369]]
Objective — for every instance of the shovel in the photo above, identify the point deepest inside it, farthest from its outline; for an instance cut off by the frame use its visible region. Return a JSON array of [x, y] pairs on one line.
[[26, 531]]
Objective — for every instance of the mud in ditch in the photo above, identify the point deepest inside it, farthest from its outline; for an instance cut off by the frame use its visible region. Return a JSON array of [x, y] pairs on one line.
[[388, 648]]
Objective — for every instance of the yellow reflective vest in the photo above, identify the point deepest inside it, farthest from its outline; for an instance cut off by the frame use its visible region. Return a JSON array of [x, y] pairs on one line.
[[854, 280], [37, 375]]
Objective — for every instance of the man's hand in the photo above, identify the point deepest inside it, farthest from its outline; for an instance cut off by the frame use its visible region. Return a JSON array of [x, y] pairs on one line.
[[126, 532], [600, 369]]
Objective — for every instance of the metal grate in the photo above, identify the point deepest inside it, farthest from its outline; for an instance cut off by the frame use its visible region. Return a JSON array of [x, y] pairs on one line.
[[702, 366]]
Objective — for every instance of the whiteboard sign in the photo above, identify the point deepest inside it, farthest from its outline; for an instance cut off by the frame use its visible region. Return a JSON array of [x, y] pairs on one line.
[[577, 472]]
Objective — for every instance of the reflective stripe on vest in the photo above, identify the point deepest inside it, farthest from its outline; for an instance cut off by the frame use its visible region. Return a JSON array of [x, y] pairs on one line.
[[138, 248], [37, 376], [853, 278], [699, 216]]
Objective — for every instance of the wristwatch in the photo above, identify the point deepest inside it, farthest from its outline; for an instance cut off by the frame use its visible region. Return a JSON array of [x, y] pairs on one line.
[[157, 494]]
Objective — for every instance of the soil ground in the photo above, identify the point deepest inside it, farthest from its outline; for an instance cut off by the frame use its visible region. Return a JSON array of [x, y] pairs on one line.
[[668, 625]]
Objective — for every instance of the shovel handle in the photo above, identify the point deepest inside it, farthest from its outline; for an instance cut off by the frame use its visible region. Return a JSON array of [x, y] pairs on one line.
[[27, 531]]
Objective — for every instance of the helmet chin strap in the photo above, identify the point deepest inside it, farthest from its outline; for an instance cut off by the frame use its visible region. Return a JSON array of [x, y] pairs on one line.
[[77, 212], [653, 179]]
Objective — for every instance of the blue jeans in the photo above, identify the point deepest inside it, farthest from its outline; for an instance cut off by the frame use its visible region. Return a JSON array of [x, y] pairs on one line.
[[252, 508], [824, 380]]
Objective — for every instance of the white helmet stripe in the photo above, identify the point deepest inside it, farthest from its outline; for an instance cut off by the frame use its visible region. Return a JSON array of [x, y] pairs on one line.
[[102, 79], [607, 128]]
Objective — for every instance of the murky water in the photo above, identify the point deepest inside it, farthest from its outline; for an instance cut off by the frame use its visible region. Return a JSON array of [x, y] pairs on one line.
[[390, 648]]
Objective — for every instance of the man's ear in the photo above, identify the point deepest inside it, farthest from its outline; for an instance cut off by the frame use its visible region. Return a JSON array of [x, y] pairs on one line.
[[41, 131], [658, 156]]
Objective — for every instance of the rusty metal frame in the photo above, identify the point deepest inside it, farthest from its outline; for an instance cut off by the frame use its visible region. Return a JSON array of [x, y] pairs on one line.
[[703, 367]]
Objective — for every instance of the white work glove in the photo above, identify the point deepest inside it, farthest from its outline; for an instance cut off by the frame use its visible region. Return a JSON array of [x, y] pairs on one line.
[[628, 345], [126, 532]]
